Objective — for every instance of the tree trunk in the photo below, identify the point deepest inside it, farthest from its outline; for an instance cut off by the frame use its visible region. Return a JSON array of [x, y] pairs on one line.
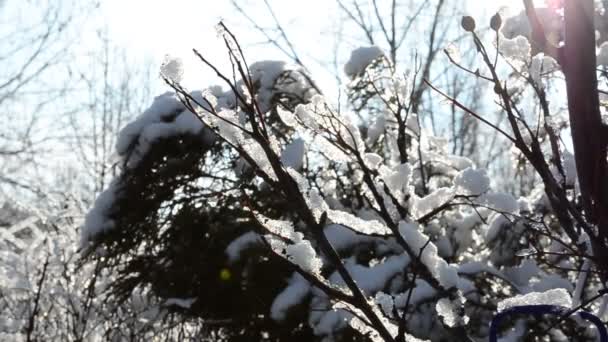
[[579, 65]]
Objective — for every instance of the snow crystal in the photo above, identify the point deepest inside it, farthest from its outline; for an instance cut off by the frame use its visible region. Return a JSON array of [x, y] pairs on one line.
[[558, 297], [360, 58], [293, 154], [472, 182], [172, 68], [292, 295]]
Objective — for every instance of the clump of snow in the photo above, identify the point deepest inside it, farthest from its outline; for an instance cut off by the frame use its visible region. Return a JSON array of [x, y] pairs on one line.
[[280, 228], [247, 240], [98, 219], [342, 238], [472, 182], [385, 302], [268, 78], [163, 107], [449, 311], [446, 310], [292, 295], [500, 201], [360, 58], [166, 117], [373, 278], [518, 48], [376, 129], [372, 160], [541, 64], [558, 297], [184, 303], [257, 153], [299, 251], [303, 255], [329, 321], [356, 223], [422, 290], [446, 274], [397, 178], [519, 25], [497, 223], [287, 117], [172, 68], [424, 205]]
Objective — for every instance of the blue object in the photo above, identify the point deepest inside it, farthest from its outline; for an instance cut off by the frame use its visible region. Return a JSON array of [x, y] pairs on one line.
[[545, 309]]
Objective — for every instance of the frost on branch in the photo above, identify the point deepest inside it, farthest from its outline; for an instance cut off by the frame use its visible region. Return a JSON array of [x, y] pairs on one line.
[[173, 69], [558, 297]]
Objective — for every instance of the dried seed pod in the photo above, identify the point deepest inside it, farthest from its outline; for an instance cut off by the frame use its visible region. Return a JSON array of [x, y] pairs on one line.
[[468, 23], [496, 22]]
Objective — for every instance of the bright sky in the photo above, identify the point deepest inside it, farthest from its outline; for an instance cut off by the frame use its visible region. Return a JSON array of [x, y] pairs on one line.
[[157, 28]]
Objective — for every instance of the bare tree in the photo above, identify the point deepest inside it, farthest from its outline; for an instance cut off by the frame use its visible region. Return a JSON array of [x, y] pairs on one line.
[[35, 45]]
